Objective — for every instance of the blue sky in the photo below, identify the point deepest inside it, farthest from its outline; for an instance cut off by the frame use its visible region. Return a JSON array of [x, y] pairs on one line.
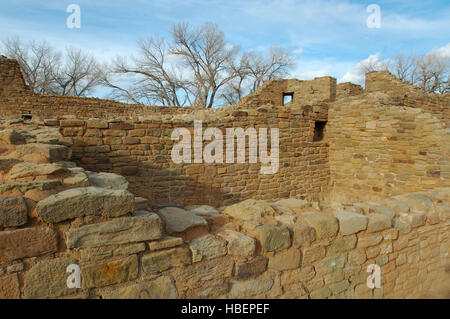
[[329, 37]]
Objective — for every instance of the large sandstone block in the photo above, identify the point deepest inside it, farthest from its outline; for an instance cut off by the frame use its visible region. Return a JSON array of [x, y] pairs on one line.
[[250, 210], [178, 220], [27, 242], [34, 169], [160, 288], [284, 260], [118, 231], [202, 275], [326, 226], [302, 235], [9, 287], [107, 180], [378, 222], [251, 268], [342, 245], [250, 288], [207, 247], [165, 259], [13, 211], [53, 153], [274, 238], [293, 203], [7, 163], [14, 137], [109, 273], [48, 278], [350, 223], [238, 243], [85, 201]]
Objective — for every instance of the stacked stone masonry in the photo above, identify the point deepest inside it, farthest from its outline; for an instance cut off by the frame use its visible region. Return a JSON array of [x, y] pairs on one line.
[[87, 182]]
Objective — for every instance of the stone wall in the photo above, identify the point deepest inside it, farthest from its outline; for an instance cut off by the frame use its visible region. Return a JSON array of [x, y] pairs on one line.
[[380, 149], [54, 215], [141, 151]]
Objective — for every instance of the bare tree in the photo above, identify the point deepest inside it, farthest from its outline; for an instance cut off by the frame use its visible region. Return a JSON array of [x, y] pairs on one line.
[[155, 77], [253, 69], [206, 53], [47, 71]]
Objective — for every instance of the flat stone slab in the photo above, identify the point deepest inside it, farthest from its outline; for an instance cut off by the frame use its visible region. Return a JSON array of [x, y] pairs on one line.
[[238, 243], [326, 226], [34, 169], [178, 220], [23, 187], [293, 203], [13, 211], [27, 242], [161, 288], [107, 180], [250, 210], [52, 152], [203, 210], [118, 231], [274, 238], [350, 223], [85, 201], [48, 278], [207, 247]]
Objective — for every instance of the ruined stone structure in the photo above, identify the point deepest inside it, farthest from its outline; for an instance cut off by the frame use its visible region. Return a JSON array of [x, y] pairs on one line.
[[363, 179]]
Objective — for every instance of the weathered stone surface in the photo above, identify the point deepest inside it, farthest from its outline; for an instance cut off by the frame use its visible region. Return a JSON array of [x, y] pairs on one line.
[[350, 223], [203, 274], [76, 178], [203, 210], [284, 260], [118, 231], [238, 243], [293, 203], [140, 204], [26, 186], [160, 288], [250, 210], [7, 163], [165, 259], [302, 274], [312, 254], [286, 219], [207, 247], [48, 278], [342, 245], [110, 273], [53, 153], [250, 268], [13, 211], [129, 249], [250, 288], [274, 238], [417, 202], [391, 213], [178, 220], [370, 240], [165, 242], [12, 136], [302, 235], [398, 206], [9, 287], [415, 219], [85, 201], [357, 256], [326, 226], [34, 169], [378, 222], [27, 242], [107, 180]]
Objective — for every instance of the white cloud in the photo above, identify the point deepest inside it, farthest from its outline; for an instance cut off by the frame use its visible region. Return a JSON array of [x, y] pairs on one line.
[[442, 51], [356, 73]]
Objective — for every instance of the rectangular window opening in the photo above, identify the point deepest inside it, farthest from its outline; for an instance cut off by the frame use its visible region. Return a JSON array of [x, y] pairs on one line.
[[319, 129], [288, 98]]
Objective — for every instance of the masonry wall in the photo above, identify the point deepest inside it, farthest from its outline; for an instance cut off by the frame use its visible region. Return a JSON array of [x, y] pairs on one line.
[[141, 151]]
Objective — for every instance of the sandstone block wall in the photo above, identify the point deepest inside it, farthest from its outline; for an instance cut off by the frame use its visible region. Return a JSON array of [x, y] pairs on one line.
[[54, 215], [141, 151], [380, 149]]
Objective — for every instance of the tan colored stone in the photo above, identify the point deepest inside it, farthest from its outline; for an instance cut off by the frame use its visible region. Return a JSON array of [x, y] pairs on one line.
[[165, 259], [284, 260]]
